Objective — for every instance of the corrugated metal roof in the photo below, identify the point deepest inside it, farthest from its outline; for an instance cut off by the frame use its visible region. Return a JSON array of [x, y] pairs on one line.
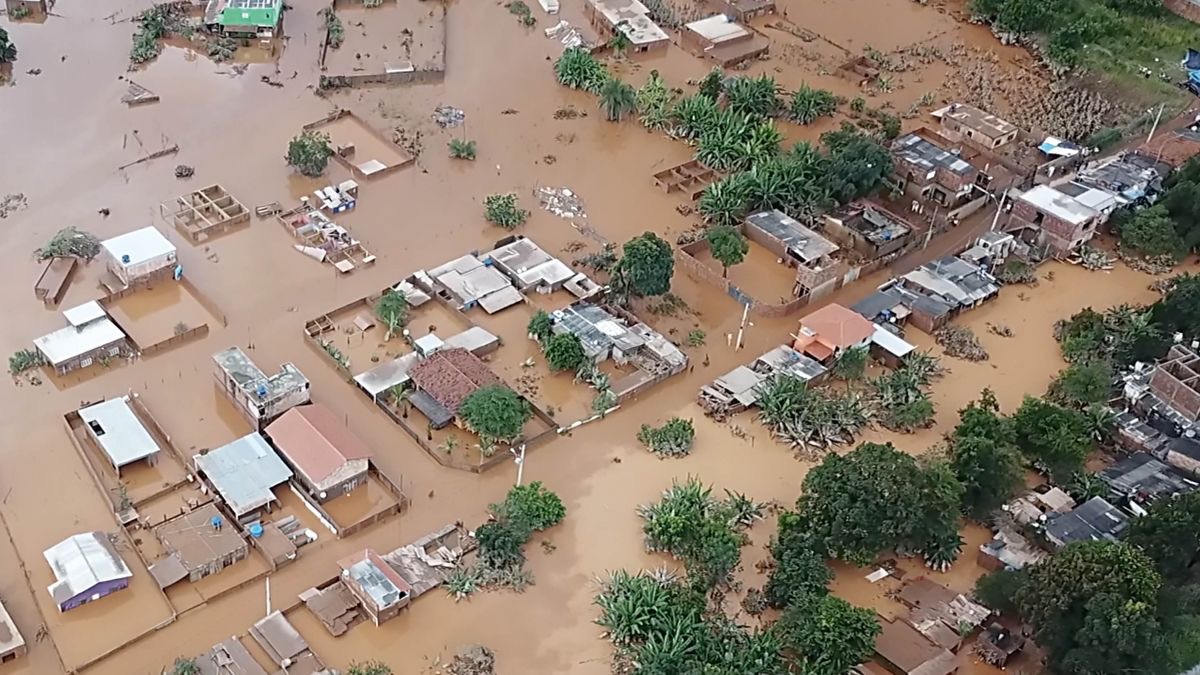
[[82, 561], [118, 431], [244, 472]]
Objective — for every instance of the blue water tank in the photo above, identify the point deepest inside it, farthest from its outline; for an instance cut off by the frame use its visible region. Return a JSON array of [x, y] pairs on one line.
[[125, 259], [262, 391], [216, 522], [256, 530]]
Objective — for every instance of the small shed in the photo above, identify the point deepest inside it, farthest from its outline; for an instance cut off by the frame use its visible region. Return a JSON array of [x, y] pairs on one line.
[[327, 456], [382, 591], [244, 473], [139, 256], [86, 568], [117, 430]]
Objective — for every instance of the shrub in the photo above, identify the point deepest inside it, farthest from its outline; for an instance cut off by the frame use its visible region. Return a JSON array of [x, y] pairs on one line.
[[673, 439], [531, 507], [495, 412], [309, 153], [462, 149], [564, 352], [540, 326], [503, 210]]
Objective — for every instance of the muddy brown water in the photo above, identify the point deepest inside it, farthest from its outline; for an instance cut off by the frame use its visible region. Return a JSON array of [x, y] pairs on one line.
[[66, 132]]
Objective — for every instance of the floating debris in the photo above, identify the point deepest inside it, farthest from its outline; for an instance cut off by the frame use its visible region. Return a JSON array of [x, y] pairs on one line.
[[1093, 259], [12, 203], [448, 117], [184, 171], [1156, 265], [562, 202], [1000, 329], [960, 342], [138, 95], [473, 660]]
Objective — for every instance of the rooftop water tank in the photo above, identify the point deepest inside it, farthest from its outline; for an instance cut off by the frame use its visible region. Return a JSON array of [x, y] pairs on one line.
[[125, 259], [256, 530]]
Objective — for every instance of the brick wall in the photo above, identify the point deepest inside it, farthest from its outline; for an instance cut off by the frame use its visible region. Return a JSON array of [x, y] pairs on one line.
[[1181, 397], [1188, 10]]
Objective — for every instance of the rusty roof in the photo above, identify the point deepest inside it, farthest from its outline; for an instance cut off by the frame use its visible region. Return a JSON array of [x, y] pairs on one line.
[[451, 375], [315, 441]]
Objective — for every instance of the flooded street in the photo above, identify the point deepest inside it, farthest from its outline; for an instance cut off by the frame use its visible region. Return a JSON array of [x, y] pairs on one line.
[[65, 132]]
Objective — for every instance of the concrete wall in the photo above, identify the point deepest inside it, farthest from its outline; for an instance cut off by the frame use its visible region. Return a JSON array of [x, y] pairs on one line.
[[1180, 396]]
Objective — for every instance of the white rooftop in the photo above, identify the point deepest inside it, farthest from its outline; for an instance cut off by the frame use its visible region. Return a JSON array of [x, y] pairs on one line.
[[67, 343], [631, 18], [718, 28], [140, 245], [118, 431], [84, 314], [1063, 206], [1097, 199], [82, 561]]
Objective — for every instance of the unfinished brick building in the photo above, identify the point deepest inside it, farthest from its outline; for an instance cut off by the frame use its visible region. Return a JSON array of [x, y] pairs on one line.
[[1176, 381]]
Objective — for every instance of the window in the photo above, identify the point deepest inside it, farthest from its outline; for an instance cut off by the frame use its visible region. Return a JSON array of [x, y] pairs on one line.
[[84, 363], [113, 351], [96, 428]]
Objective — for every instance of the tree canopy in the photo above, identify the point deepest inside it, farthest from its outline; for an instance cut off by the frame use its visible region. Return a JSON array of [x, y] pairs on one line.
[[1082, 384], [729, 247], [309, 153], [540, 325], [8, 50], [1170, 535], [1152, 232], [495, 412], [876, 498], [1052, 437], [578, 69], [1092, 606], [617, 99], [647, 265], [370, 668], [829, 635], [564, 351]]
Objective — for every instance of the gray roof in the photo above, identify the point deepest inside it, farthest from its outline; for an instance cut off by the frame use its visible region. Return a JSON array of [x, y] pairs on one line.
[[1141, 475], [387, 375], [783, 359], [875, 304], [82, 561], [954, 280], [118, 431], [244, 472], [439, 416], [804, 242], [919, 151], [1094, 520], [597, 328]]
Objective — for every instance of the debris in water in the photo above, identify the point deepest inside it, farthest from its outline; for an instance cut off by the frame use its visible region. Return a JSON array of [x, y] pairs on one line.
[[12, 203], [549, 159], [509, 111], [562, 202], [473, 660], [34, 71], [567, 112], [1156, 265], [138, 95], [184, 171], [1093, 259], [960, 342], [999, 329], [104, 212], [448, 117]]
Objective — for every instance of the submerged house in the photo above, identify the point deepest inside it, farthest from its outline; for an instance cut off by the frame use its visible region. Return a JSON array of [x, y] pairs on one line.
[[380, 589], [631, 18], [871, 230], [329, 458], [444, 380], [259, 398], [245, 18], [723, 40], [244, 474], [831, 330], [960, 121], [91, 337], [139, 256], [86, 568], [817, 271], [1061, 221]]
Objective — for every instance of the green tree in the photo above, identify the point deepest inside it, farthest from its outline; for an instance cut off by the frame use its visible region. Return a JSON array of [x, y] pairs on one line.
[[851, 364], [809, 104], [1152, 232], [617, 99], [501, 543], [654, 102], [712, 85], [462, 149], [1092, 607], [540, 326], [755, 96], [369, 668], [392, 309], [495, 412], [856, 165], [1170, 535], [531, 507], [185, 666], [503, 210], [1083, 336], [727, 245], [829, 635], [647, 265], [799, 570], [70, 242], [1082, 384], [699, 529], [8, 51], [990, 473], [1179, 309], [872, 499], [309, 153], [998, 590], [620, 43], [578, 69], [564, 352], [1052, 437]]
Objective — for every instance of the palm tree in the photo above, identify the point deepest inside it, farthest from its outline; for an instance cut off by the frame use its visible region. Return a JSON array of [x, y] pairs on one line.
[[724, 202], [758, 96], [808, 104], [578, 69], [617, 99], [620, 43], [693, 114]]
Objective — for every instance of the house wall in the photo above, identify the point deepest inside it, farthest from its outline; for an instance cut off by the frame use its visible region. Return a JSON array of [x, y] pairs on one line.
[[732, 11], [218, 564], [1180, 396], [1183, 462], [37, 8], [852, 238], [133, 274], [341, 482], [94, 593], [110, 350]]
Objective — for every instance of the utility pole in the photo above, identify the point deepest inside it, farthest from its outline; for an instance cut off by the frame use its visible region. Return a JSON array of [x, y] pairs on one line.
[[999, 208], [742, 328], [1156, 119], [519, 459], [932, 224]]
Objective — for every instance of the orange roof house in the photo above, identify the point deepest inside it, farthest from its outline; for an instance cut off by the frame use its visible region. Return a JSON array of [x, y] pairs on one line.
[[830, 330], [328, 457]]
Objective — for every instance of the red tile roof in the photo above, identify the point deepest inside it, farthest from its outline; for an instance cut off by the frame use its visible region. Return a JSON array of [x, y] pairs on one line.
[[451, 375], [838, 327], [316, 441]]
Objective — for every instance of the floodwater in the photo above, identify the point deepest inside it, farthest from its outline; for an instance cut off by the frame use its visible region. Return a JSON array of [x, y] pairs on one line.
[[234, 130]]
